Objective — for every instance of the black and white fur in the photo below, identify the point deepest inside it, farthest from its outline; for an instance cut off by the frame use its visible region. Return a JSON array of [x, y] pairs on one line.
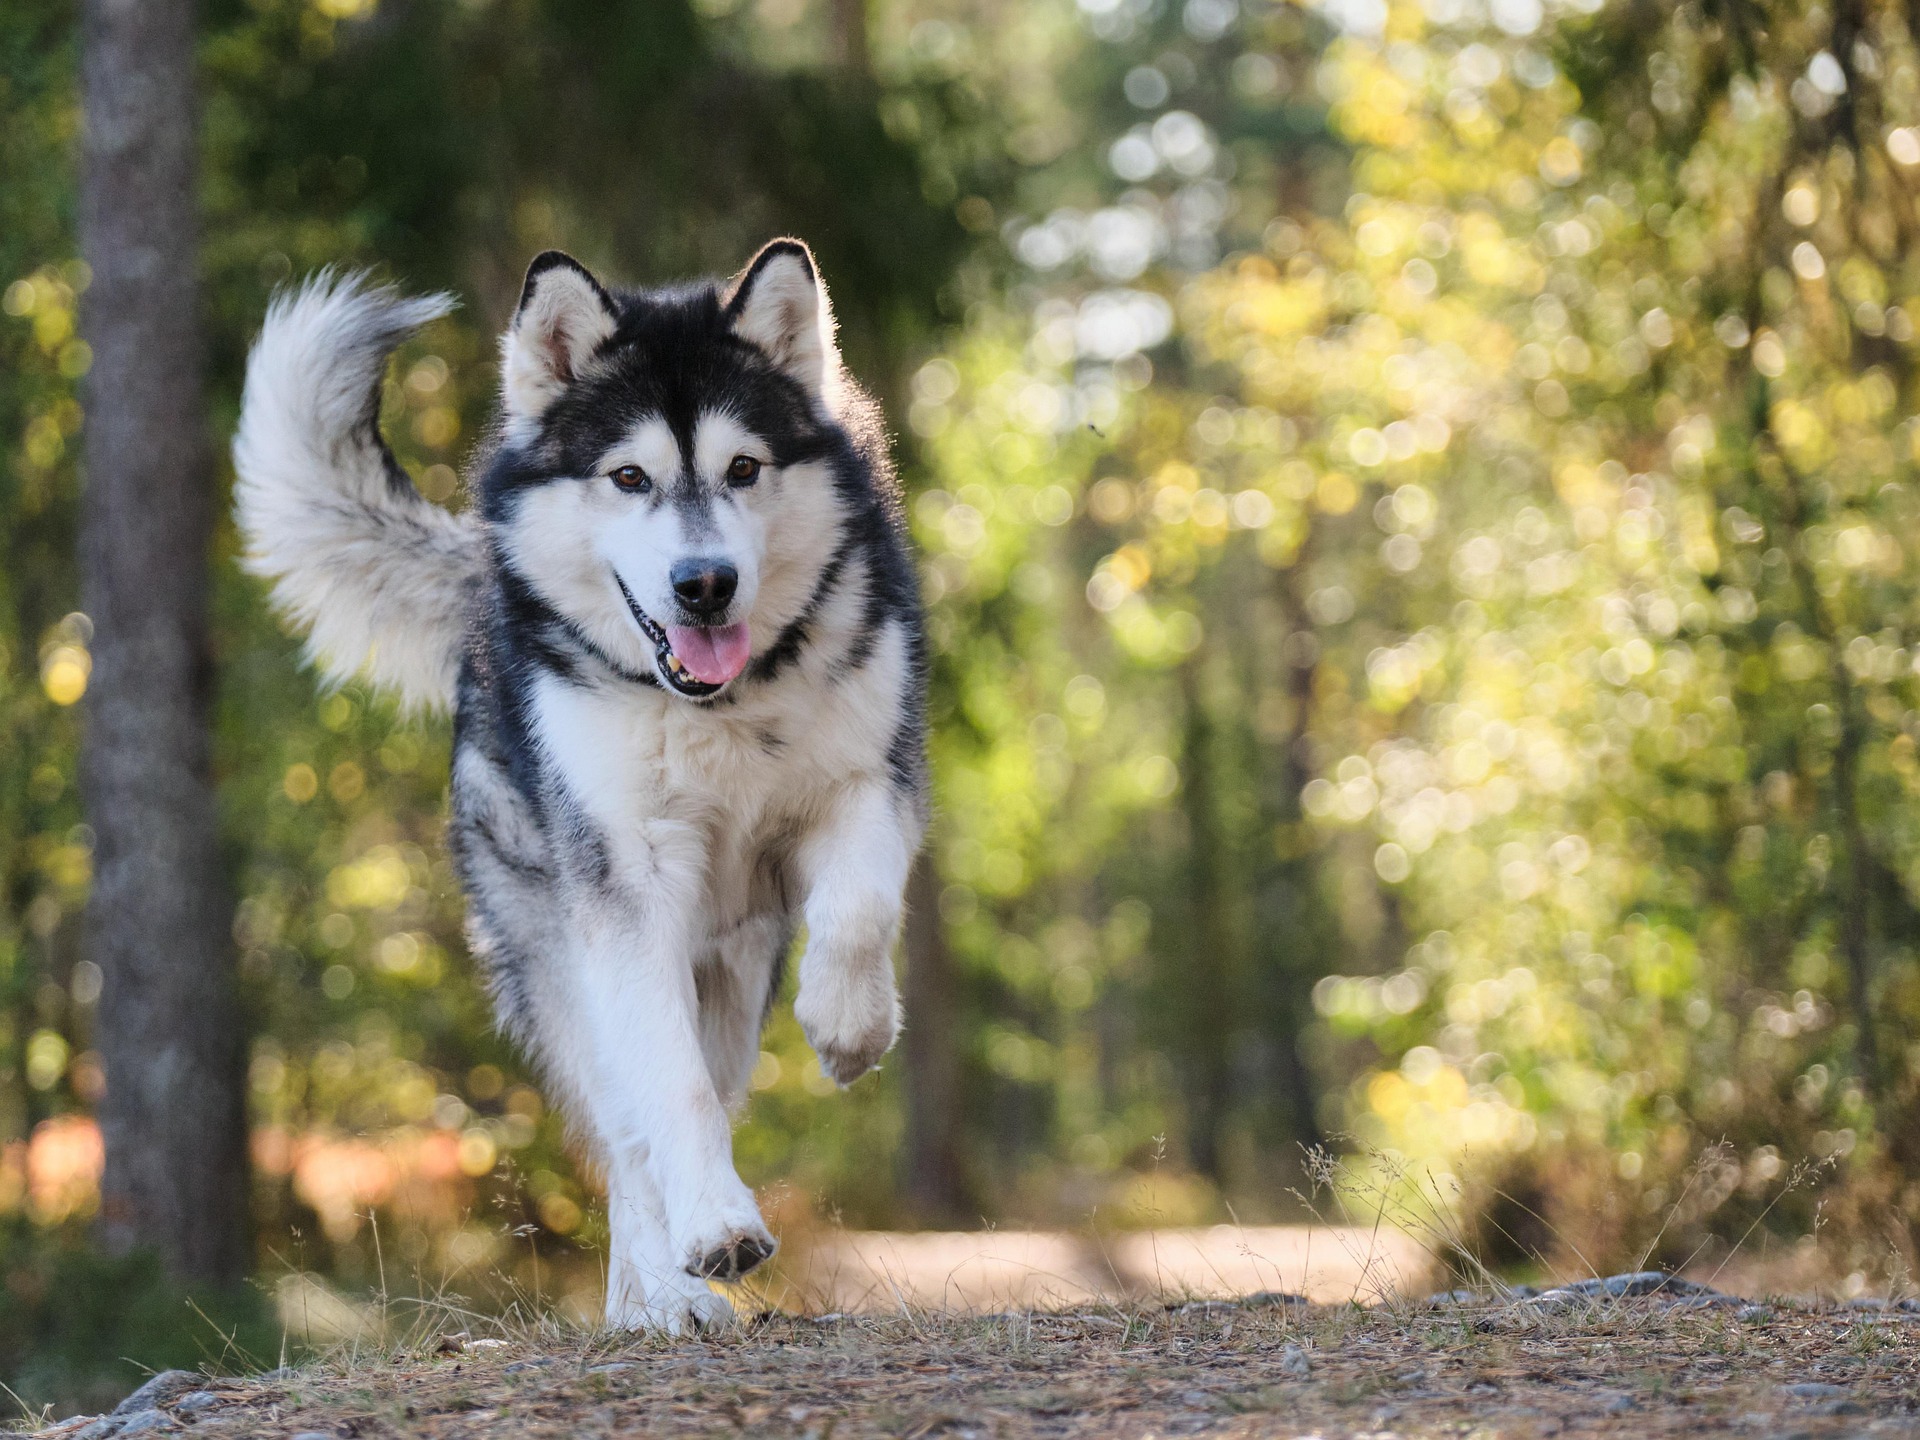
[[638, 846]]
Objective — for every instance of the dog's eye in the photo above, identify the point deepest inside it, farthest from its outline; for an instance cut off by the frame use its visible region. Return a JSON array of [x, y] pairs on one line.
[[743, 471], [631, 478]]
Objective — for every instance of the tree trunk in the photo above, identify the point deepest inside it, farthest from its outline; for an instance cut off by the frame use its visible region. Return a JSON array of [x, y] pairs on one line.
[[1203, 997], [168, 1025], [935, 1179], [849, 23]]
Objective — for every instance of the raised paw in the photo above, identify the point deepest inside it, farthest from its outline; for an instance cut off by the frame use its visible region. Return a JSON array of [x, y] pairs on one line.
[[734, 1257], [850, 1021]]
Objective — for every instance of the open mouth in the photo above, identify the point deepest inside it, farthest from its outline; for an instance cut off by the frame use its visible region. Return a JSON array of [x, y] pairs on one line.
[[695, 660]]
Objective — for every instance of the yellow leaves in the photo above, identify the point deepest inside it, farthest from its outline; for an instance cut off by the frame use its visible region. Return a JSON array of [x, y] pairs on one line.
[[1131, 566], [64, 672], [1485, 252], [1581, 484], [1863, 401], [1801, 433], [1336, 493], [1697, 515], [1392, 1094], [1561, 163], [300, 784], [378, 880], [46, 1059], [1862, 547], [1297, 305]]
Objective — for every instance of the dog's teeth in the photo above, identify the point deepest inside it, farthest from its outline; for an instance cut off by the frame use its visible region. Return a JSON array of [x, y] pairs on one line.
[[673, 664]]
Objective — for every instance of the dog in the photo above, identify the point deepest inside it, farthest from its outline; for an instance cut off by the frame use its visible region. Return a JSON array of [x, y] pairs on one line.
[[680, 631]]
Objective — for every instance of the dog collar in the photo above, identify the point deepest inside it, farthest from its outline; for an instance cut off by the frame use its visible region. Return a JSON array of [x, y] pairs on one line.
[[671, 670]]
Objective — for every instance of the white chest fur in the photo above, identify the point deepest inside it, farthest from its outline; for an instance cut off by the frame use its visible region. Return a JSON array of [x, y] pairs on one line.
[[739, 782]]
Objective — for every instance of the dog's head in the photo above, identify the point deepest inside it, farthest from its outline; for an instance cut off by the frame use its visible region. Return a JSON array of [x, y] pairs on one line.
[[665, 480]]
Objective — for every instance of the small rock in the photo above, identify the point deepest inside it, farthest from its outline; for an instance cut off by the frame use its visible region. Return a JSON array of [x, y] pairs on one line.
[[162, 1389], [1294, 1363], [147, 1422], [100, 1429], [615, 1368], [521, 1366], [1754, 1313], [196, 1403], [1199, 1307], [1620, 1405], [313, 1435], [1635, 1285], [486, 1344], [1454, 1297], [1271, 1299], [1815, 1390]]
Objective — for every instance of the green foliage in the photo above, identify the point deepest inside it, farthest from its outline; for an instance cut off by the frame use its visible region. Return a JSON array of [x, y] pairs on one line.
[[71, 1316]]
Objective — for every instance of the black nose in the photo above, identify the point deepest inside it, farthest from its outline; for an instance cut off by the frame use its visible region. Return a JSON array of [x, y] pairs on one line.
[[705, 586]]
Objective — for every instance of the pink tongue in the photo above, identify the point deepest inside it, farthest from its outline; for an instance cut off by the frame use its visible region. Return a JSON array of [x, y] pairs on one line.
[[713, 655]]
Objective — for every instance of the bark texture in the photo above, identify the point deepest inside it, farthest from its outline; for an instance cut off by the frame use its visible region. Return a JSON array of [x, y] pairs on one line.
[[168, 1026], [935, 1178]]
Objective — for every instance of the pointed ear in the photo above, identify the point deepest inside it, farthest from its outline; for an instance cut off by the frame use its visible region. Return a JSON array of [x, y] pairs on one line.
[[564, 316], [778, 305]]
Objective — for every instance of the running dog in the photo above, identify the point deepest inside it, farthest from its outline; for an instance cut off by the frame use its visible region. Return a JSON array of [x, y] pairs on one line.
[[680, 631]]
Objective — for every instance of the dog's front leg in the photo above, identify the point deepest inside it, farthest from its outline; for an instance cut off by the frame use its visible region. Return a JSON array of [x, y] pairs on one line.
[[854, 866], [657, 1110], [647, 1286]]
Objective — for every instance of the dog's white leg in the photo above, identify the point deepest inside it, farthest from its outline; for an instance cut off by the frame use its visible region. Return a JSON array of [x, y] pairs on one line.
[[646, 1288], [854, 865], [656, 1108]]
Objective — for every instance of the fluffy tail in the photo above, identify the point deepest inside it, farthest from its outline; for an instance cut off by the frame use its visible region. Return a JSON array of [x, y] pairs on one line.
[[379, 578]]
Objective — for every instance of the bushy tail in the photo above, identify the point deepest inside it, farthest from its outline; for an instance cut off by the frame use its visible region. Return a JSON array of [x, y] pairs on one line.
[[380, 578]]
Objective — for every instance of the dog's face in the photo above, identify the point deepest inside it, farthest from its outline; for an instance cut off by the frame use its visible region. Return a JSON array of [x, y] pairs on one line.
[[664, 483]]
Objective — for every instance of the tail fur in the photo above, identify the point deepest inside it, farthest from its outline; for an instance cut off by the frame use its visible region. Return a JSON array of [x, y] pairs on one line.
[[380, 578]]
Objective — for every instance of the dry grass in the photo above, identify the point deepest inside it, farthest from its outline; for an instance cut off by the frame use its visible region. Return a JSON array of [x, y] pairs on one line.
[[1082, 1341], [1510, 1369]]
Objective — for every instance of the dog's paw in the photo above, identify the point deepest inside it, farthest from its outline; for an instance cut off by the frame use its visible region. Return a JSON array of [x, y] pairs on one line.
[[729, 1250], [734, 1257], [676, 1310], [850, 1022]]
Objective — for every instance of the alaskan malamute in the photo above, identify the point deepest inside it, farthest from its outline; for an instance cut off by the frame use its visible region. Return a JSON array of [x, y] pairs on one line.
[[681, 634]]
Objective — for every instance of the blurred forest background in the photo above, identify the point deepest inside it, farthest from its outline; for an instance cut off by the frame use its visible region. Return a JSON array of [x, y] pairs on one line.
[[1418, 502]]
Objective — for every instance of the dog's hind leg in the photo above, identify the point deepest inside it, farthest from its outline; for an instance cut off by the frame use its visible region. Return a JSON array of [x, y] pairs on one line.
[[736, 988]]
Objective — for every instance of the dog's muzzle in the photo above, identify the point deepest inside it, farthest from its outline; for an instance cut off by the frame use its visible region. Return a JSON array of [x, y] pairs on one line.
[[671, 669]]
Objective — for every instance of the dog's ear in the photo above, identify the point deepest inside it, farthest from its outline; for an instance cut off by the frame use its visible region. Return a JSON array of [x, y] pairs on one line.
[[564, 316], [779, 305]]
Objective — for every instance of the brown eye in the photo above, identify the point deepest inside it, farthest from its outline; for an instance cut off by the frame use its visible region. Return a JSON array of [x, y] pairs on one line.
[[743, 471], [631, 478]]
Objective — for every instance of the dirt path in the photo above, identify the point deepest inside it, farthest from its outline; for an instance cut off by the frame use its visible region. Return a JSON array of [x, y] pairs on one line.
[[1561, 1365]]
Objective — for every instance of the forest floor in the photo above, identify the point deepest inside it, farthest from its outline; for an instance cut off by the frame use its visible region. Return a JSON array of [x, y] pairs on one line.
[[1565, 1363]]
